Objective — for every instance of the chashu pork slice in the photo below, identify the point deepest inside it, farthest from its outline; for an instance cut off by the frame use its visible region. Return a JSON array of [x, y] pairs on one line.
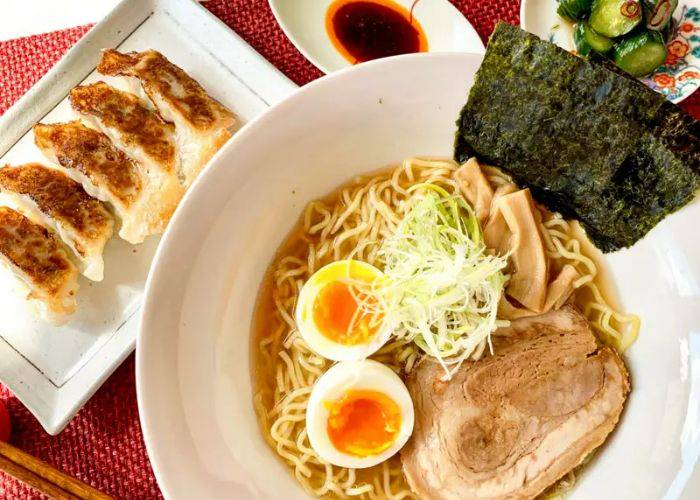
[[510, 425], [144, 137], [90, 158], [202, 124], [51, 198], [41, 265]]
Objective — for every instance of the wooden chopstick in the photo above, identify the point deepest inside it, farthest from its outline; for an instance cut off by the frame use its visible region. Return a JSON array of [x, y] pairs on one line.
[[44, 478]]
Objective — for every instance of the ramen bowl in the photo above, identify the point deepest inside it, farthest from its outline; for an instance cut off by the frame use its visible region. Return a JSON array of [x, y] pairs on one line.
[[194, 350]]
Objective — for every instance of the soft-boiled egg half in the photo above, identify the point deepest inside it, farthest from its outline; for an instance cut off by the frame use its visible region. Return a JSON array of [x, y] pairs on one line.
[[330, 314], [359, 414]]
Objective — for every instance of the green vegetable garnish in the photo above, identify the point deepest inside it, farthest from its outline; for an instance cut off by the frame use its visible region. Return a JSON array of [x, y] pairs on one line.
[[574, 10], [586, 40], [442, 288], [641, 54], [612, 18]]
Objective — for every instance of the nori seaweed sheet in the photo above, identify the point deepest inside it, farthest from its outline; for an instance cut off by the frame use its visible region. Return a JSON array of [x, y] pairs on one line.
[[591, 144]]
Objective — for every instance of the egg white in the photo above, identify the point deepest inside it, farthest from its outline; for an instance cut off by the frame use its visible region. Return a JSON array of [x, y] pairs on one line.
[[333, 385], [319, 343]]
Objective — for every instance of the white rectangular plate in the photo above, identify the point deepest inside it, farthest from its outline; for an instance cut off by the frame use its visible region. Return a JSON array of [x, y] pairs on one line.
[[54, 371]]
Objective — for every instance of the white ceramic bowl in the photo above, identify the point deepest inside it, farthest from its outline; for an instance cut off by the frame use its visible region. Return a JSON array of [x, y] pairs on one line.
[[303, 21], [193, 367]]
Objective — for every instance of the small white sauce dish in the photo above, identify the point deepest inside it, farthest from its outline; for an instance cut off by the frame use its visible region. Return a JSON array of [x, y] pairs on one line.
[[304, 23]]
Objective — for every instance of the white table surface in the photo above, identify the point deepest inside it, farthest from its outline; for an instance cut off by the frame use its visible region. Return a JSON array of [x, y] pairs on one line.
[[30, 17]]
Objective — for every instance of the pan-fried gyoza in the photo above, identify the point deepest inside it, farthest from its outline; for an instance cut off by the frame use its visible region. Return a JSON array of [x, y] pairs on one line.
[[143, 136], [57, 201], [129, 156], [41, 265], [202, 124], [105, 172]]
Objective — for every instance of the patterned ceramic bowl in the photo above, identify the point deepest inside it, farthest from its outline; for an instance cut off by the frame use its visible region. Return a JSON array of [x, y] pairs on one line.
[[676, 79]]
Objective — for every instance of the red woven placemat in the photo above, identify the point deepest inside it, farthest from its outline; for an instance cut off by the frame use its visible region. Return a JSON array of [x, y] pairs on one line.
[[103, 445]]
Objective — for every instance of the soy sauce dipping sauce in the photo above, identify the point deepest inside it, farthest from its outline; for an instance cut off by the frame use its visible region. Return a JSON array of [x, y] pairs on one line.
[[362, 30]]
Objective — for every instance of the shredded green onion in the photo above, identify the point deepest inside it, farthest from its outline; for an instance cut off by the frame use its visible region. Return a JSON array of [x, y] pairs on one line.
[[441, 288]]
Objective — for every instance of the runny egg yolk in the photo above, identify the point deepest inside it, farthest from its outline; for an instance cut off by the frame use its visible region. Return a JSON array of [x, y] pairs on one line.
[[336, 315], [363, 422]]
